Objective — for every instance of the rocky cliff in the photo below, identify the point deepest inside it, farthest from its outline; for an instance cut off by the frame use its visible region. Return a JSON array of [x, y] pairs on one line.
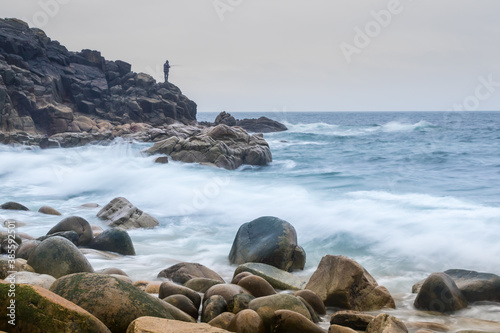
[[46, 89]]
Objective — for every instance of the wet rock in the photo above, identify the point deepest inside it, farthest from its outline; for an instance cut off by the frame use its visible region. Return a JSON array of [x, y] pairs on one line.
[[313, 299], [185, 271], [162, 160], [35, 279], [225, 119], [286, 321], [239, 302], [121, 213], [19, 266], [278, 278], [183, 303], [314, 316], [201, 285], [247, 321], [213, 306], [240, 276], [69, 235], [11, 205], [57, 256], [112, 271], [48, 211], [114, 302], [343, 283], [26, 248], [113, 240], [256, 286], [428, 326], [261, 125], [268, 240], [440, 293], [76, 224], [222, 321], [39, 310], [158, 325], [168, 289], [96, 230], [340, 329], [227, 291], [385, 323], [266, 306], [352, 319]]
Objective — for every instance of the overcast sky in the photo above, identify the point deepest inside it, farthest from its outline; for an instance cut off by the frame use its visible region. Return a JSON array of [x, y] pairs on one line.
[[291, 55]]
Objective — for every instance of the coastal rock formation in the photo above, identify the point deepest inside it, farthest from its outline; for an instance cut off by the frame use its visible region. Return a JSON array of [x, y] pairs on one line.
[[260, 125], [222, 146], [119, 212], [268, 240], [440, 293], [44, 88], [343, 283]]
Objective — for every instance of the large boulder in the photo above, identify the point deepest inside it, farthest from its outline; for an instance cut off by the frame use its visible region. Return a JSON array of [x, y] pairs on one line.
[[227, 291], [286, 321], [261, 125], [168, 288], [185, 271], [247, 321], [266, 307], [268, 240], [113, 240], [474, 286], [57, 256], [11, 205], [222, 146], [158, 325], [343, 283], [114, 302], [440, 293], [352, 319], [256, 286], [76, 224], [278, 278], [119, 212], [37, 310], [384, 323]]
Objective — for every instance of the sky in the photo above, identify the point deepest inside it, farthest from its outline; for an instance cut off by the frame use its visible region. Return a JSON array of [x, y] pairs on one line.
[[292, 55]]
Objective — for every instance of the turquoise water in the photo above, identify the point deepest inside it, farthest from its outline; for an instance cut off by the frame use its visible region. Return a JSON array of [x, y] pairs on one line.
[[404, 194]]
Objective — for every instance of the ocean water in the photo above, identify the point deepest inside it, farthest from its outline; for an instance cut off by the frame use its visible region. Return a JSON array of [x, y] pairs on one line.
[[405, 194]]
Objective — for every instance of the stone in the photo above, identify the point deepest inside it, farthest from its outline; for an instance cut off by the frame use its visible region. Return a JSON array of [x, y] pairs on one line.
[[184, 304], [162, 160], [239, 302], [57, 256], [266, 306], [286, 321], [201, 285], [314, 316], [158, 325], [168, 288], [475, 286], [352, 319], [240, 276], [121, 213], [222, 321], [185, 271], [342, 282], [113, 240], [38, 310], [428, 326], [48, 211], [20, 265], [96, 230], [26, 248], [114, 302], [440, 293], [11, 205], [268, 240], [256, 286], [384, 323], [227, 291], [111, 271], [213, 306], [261, 125], [313, 299], [69, 235], [76, 224], [35, 279], [340, 329], [225, 118], [247, 321], [278, 278]]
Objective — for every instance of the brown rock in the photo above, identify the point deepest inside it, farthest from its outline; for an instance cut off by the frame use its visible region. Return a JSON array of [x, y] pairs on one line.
[[227, 291], [162, 160], [239, 303], [384, 323], [428, 326], [222, 321], [266, 306], [201, 285], [11, 205], [286, 321], [440, 293], [352, 319], [256, 286], [19, 265], [340, 329], [76, 224], [240, 276], [313, 299], [168, 289], [48, 210], [159, 325], [247, 321], [183, 303], [343, 283], [112, 270], [213, 306], [185, 271]]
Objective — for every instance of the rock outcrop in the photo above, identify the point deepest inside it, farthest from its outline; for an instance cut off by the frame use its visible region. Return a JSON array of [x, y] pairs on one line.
[[119, 212], [259, 125], [44, 88]]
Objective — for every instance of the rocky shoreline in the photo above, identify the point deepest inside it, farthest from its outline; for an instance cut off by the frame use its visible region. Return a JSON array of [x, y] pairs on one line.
[[264, 295]]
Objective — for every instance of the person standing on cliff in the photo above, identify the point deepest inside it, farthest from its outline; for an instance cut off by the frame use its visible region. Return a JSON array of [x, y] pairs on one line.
[[166, 69]]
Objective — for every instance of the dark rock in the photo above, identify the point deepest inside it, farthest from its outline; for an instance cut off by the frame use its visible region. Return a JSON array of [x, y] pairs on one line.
[[387, 324], [201, 285], [185, 271], [113, 240], [340, 329], [48, 210], [278, 278], [213, 306], [286, 321], [183, 303], [267, 240], [440, 293], [352, 319], [261, 125], [162, 160], [257, 286], [11, 205], [313, 299], [343, 283], [314, 316], [239, 302], [57, 256], [227, 291], [26, 248], [240, 276], [76, 224], [247, 321], [225, 119], [168, 289], [69, 235], [119, 212]]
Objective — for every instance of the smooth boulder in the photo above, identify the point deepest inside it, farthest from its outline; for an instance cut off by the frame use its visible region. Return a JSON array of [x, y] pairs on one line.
[[213, 306], [183, 303], [119, 212], [113, 240], [440, 293], [11, 205], [76, 224], [286, 321], [313, 299], [168, 288], [57, 256], [185, 271], [266, 306], [201, 285], [31, 278], [158, 325], [26, 248], [352, 319], [278, 278], [343, 283], [256, 286], [48, 211], [268, 240], [384, 323], [247, 321], [20, 265]]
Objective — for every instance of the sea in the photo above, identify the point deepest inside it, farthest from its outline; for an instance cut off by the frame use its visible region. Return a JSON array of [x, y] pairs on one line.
[[404, 194]]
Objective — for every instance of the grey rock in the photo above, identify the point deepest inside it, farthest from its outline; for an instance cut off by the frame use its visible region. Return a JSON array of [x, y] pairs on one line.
[[119, 212], [113, 240], [440, 293]]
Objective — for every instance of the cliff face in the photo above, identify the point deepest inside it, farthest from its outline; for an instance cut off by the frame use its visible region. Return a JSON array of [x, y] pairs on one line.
[[46, 89]]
